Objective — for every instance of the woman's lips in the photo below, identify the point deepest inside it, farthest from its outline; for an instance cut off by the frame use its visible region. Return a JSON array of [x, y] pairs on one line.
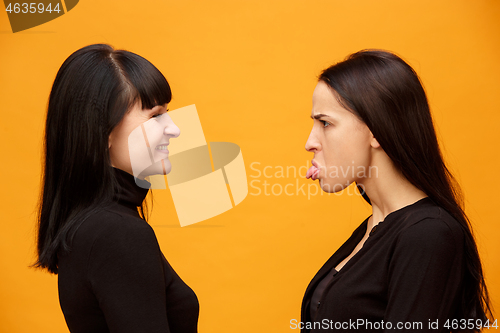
[[313, 171]]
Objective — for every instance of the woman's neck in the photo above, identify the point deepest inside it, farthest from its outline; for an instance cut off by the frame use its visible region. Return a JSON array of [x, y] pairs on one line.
[[388, 190]]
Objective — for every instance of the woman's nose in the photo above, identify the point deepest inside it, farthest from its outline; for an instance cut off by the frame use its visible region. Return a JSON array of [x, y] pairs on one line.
[[172, 130], [312, 143]]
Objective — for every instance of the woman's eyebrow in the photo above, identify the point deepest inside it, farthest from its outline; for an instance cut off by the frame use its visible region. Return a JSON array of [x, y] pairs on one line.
[[319, 115]]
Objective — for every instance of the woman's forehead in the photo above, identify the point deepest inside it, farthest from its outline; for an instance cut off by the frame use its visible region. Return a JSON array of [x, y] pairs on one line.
[[325, 102]]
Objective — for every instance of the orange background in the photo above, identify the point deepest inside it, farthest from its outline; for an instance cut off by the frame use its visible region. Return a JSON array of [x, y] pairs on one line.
[[250, 67]]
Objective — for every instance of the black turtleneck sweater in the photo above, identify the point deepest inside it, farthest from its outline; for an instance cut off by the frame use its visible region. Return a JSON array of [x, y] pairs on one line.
[[116, 279]]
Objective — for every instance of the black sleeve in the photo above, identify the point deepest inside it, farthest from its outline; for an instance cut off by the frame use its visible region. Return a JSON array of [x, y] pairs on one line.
[[126, 275], [424, 276]]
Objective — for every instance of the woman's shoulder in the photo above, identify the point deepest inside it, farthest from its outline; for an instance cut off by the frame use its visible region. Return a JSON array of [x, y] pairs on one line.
[[429, 222], [107, 227], [106, 237], [107, 217]]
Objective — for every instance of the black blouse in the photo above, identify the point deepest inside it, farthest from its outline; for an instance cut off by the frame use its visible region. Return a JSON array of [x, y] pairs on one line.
[[116, 279], [408, 272]]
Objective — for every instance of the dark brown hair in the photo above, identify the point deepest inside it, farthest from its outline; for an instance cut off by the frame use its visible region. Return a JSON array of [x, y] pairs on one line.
[[385, 92]]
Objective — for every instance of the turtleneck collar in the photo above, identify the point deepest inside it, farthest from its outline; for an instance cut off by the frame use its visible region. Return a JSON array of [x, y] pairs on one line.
[[131, 190]]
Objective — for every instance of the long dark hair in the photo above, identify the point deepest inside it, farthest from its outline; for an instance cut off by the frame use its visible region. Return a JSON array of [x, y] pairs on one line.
[[387, 95], [91, 93]]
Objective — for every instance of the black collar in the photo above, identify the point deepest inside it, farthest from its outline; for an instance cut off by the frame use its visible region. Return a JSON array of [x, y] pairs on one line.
[[130, 190]]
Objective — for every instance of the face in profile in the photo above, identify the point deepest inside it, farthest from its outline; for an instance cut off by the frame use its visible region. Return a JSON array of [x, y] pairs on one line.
[[139, 143], [340, 141]]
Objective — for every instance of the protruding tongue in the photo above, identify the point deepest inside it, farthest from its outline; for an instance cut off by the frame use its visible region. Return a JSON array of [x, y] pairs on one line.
[[312, 173]]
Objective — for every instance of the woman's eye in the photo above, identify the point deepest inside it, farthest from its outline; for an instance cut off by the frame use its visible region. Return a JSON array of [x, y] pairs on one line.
[[325, 123], [159, 114]]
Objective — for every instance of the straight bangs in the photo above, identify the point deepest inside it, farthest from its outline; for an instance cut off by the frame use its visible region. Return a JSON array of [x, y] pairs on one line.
[[148, 84]]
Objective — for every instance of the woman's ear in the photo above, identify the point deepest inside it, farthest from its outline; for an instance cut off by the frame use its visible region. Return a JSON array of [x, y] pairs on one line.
[[373, 142], [109, 141]]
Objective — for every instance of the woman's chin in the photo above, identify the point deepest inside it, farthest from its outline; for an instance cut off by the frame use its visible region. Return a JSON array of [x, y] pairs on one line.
[[330, 188], [325, 186], [162, 167]]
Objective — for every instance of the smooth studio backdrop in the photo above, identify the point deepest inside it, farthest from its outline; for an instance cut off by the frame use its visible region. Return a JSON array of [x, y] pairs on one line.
[[250, 67]]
